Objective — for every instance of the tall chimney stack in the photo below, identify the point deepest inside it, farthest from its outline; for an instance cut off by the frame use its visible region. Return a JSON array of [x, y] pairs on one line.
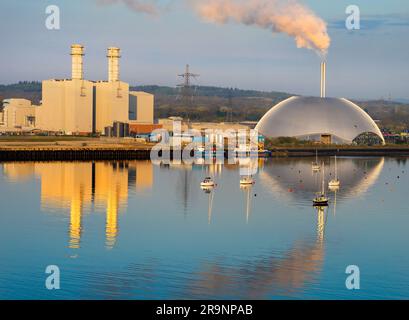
[[113, 63], [323, 79], [77, 52]]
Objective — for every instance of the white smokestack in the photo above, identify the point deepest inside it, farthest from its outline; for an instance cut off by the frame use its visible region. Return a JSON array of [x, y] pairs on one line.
[[323, 79], [77, 52], [113, 63]]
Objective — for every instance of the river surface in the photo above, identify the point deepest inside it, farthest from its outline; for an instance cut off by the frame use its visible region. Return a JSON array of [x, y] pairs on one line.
[[137, 230]]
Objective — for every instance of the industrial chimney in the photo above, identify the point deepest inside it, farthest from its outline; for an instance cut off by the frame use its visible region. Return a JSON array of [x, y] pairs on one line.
[[323, 79], [113, 63], [77, 52]]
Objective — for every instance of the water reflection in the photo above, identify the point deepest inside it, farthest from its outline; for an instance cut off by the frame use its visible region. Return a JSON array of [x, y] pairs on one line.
[[247, 190], [206, 266], [85, 186], [264, 276], [294, 181], [283, 274], [210, 191], [82, 186]]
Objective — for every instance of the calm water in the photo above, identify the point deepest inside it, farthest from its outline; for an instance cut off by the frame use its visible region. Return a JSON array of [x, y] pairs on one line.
[[143, 231]]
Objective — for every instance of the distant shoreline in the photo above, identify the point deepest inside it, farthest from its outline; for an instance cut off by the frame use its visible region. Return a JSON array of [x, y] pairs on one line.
[[108, 149], [352, 151]]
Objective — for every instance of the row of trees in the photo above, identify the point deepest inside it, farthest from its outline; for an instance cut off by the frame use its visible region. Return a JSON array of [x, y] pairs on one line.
[[223, 104]]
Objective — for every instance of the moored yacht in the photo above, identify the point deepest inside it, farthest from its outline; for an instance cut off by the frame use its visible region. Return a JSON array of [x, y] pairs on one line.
[[247, 180], [207, 183], [335, 183], [321, 199], [315, 165]]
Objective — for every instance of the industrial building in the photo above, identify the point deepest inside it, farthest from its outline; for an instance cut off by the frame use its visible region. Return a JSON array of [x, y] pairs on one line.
[[79, 106], [17, 114], [141, 113], [139, 107], [67, 105], [112, 96], [328, 120]]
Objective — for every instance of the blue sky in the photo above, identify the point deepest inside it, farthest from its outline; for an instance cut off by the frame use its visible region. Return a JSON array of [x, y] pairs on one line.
[[369, 63]]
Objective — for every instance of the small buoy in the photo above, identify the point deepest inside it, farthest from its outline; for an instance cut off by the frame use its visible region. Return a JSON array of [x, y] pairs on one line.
[[255, 194]]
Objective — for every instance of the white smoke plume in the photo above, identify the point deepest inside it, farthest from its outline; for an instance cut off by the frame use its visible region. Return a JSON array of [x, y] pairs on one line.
[[285, 16], [143, 6]]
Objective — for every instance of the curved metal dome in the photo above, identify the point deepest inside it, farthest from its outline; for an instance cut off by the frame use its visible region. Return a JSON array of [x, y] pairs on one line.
[[308, 117]]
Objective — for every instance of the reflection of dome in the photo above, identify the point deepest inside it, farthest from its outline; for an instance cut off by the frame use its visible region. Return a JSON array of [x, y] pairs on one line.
[[307, 117], [357, 175]]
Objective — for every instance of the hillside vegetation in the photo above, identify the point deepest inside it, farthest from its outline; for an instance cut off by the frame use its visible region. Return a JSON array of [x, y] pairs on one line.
[[223, 104]]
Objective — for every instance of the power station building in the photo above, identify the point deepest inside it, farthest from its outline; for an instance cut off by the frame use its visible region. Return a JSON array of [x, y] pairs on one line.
[[79, 106], [17, 114], [329, 120]]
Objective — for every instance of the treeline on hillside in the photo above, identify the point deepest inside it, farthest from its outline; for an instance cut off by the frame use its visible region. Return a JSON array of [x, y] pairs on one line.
[[202, 91], [213, 108], [393, 115], [30, 90], [26, 86], [209, 91], [211, 103]]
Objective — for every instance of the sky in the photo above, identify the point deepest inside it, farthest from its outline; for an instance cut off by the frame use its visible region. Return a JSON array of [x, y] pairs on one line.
[[370, 63]]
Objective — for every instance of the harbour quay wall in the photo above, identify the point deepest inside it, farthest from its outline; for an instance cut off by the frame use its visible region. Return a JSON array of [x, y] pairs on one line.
[[73, 154], [86, 153]]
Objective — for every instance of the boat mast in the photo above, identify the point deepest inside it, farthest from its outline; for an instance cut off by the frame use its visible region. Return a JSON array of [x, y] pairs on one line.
[[323, 178]]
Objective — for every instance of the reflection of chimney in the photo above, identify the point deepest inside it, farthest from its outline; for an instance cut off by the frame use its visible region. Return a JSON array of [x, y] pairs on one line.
[[113, 63], [77, 52], [323, 79]]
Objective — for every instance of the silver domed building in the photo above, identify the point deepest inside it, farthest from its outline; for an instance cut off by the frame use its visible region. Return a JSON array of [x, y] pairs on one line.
[[312, 118], [309, 118]]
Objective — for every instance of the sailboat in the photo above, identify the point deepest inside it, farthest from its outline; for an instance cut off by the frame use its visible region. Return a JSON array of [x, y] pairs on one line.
[[315, 165], [335, 183], [321, 199], [207, 183], [247, 180]]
